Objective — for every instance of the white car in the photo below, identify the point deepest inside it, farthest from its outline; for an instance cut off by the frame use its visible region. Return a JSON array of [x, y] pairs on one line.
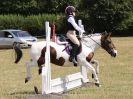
[[10, 37]]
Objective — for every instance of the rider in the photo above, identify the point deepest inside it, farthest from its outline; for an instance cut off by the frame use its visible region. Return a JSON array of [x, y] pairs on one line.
[[72, 27]]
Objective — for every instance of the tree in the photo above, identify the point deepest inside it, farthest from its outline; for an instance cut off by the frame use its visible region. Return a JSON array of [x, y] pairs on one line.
[[107, 14], [35, 6], [19, 7]]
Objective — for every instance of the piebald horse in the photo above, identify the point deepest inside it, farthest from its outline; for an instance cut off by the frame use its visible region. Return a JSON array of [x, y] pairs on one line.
[[60, 57]]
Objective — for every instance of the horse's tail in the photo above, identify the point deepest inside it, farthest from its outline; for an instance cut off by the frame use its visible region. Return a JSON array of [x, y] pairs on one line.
[[18, 53]]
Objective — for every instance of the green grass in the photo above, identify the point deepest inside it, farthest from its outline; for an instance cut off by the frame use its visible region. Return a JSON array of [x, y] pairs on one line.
[[116, 75]]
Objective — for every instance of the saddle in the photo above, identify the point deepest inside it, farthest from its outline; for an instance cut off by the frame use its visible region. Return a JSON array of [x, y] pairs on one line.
[[68, 44]]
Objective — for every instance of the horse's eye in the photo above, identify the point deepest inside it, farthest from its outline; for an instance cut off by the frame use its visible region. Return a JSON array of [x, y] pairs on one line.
[[108, 41]]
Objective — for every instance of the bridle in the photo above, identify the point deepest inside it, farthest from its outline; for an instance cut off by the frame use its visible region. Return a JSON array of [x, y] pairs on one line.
[[89, 36]]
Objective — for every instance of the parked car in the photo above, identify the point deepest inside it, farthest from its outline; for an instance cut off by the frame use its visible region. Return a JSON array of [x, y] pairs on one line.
[[10, 37]]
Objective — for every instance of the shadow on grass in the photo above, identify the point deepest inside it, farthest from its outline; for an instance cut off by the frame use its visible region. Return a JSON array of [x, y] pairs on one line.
[[22, 93], [33, 95]]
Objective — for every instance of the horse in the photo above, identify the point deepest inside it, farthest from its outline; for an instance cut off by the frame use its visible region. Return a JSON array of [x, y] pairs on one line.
[[60, 57]]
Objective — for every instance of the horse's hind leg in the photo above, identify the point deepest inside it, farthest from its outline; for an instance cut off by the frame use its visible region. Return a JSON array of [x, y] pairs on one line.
[[40, 70], [28, 73], [40, 62]]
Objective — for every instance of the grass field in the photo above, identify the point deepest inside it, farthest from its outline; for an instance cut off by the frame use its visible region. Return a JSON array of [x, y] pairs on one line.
[[116, 75]]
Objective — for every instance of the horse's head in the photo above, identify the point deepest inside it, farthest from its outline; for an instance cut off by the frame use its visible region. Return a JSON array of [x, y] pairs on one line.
[[107, 44]]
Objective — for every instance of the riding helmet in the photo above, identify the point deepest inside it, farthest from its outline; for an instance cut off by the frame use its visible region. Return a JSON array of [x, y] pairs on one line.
[[69, 10]]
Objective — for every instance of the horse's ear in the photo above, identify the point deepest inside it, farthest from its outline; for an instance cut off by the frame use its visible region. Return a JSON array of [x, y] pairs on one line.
[[110, 33], [105, 34]]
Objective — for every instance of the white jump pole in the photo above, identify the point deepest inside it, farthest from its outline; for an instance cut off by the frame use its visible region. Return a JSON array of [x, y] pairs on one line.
[[46, 70], [83, 69]]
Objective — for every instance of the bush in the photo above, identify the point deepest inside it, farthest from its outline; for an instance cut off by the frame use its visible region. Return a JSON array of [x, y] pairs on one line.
[[10, 21], [33, 23]]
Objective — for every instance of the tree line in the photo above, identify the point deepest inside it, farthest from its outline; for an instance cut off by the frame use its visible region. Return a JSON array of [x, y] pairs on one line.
[[101, 15]]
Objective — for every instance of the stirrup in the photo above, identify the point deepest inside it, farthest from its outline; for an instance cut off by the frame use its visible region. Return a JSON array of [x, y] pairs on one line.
[[74, 62]]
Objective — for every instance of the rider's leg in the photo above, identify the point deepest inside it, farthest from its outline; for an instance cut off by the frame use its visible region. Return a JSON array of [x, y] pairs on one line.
[[75, 46], [73, 38], [74, 54]]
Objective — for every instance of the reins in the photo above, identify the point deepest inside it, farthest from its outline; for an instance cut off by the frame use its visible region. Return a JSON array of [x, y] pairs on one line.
[[93, 40]]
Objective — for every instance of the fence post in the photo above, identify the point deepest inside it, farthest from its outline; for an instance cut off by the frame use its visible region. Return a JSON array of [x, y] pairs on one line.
[[53, 33], [46, 71]]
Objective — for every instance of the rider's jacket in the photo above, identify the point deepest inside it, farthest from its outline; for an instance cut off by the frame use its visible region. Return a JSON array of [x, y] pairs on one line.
[[72, 25]]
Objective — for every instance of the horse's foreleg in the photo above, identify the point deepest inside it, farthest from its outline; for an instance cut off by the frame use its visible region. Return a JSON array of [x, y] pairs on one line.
[[97, 65], [90, 67]]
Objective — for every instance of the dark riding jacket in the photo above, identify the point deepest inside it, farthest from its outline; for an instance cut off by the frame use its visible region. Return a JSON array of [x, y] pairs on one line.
[[72, 25]]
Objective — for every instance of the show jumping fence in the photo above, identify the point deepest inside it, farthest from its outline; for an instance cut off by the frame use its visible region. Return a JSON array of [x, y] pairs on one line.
[[60, 84]]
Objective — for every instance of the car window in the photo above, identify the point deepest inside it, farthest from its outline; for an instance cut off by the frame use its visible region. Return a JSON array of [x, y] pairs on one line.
[[7, 34], [21, 33], [2, 34], [15, 33]]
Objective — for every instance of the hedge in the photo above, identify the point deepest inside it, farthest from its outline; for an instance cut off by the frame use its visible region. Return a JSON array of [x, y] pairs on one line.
[[33, 23]]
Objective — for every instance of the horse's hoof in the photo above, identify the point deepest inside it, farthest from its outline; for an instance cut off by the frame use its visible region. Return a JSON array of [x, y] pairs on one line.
[[93, 62], [98, 85], [36, 90], [39, 71], [92, 75], [26, 80]]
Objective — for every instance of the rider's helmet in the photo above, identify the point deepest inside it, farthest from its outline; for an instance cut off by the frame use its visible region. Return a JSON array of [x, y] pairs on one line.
[[69, 10]]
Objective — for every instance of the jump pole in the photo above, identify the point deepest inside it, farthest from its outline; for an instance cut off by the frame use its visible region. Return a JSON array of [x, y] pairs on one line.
[[53, 33], [83, 69], [46, 70]]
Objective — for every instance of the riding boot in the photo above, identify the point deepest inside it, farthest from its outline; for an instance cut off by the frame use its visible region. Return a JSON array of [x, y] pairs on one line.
[[74, 55]]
